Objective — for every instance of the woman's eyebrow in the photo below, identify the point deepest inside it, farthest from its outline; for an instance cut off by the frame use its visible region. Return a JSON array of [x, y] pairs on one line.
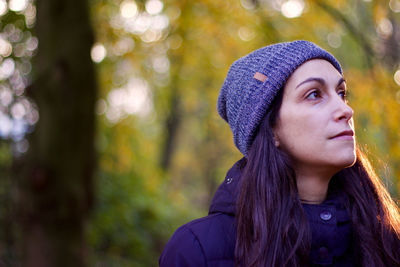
[[312, 79], [341, 81], [320, 80]]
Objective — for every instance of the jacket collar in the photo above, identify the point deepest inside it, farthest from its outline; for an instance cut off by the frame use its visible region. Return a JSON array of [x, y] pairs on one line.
[[226, 196]]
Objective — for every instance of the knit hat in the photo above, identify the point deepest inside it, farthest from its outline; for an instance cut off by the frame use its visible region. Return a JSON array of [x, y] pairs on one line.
[[254, 80]]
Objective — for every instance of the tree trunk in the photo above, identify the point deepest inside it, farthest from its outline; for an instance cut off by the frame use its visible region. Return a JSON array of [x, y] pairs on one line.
[[55, 177], [174, 118]]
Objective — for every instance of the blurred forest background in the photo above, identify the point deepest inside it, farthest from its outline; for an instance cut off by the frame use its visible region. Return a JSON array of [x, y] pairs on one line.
[[109, 134]]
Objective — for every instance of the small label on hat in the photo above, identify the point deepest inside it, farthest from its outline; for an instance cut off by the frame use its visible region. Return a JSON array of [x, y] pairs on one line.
[[259, 76]]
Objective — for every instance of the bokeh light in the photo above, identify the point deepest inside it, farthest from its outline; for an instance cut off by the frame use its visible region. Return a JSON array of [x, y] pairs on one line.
[[292, 8], [174, 41], [248, 4], [128, 9], [246, 34], [5, 47], [32, 117], [21, 146], [6, 96], [397, 76], [7, 68], [161, 64], [123, 46], [154, 7], [133, 98], [6, 125], [151, 36], [334, 40], [398, 96], [18, 111], [3, 7], [30, 15], [32, 43], [18, 5], [385, 28], [394, 5], [98, 52], [160, 22], [19, 129]]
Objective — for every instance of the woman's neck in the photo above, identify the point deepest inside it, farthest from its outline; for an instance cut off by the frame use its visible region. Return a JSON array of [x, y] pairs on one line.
[[312, 187]]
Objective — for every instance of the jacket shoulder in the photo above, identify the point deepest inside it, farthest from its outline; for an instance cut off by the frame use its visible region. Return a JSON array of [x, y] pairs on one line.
[[183, 249], [202, 242]]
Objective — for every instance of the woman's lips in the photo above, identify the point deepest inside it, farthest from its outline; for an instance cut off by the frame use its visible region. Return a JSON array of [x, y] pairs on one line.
[[345, 135]]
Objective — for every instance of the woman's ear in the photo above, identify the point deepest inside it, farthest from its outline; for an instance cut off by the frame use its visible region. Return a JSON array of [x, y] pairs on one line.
[[276, 143], [276, 139], [275, 134]]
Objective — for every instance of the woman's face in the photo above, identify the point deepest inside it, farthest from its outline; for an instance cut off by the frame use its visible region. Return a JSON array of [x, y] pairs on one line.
[[315, 124]]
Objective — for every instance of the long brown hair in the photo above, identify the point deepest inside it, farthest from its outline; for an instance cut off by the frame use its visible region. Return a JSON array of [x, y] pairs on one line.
[[272, 229]]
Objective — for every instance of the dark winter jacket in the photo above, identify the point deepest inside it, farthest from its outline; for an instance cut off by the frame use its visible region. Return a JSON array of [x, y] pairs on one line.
[[210, 241]]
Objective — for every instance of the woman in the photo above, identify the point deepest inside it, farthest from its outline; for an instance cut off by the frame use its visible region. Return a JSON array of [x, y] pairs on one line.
[[303, 195]]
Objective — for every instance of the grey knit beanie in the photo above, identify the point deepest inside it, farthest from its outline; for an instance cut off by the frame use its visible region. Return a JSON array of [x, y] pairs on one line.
[[254, 80]]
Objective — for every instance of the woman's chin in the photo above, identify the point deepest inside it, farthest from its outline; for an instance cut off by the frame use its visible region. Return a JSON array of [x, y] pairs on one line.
[[346, 161]]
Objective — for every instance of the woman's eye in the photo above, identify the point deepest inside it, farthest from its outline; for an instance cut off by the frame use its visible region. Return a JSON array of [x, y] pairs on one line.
[[313, 95], [343, 94]]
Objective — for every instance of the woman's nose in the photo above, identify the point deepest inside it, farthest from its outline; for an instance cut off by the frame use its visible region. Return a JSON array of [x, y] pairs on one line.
[[343, 110]]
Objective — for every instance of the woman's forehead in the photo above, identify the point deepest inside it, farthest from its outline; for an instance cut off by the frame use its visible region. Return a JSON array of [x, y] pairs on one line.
[[315, 68]]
